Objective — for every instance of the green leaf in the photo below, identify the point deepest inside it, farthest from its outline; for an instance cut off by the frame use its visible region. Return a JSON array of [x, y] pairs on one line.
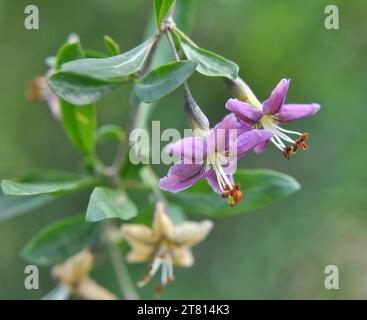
[[94, 54], [79, 123], [110, 132], [79, 89], [60, 240], [12, 206], [47, 182], [209, 63], [163, 80], [106, 203], [162, 8], [116, 67], [69, 52], [111, 45], [259, 187]]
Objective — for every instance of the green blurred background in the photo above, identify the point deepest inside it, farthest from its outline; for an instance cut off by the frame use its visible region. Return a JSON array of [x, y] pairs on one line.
[[278, 252]]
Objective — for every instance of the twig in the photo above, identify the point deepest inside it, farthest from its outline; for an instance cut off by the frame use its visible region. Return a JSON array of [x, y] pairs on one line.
[[126, 285]]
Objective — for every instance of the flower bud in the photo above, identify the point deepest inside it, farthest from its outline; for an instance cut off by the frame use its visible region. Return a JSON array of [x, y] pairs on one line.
[[196, 118]]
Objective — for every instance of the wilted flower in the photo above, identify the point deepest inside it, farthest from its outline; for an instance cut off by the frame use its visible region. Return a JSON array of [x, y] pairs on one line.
[[74, 275], [39, 89], [271, 114], [213, 157], [164, 244]]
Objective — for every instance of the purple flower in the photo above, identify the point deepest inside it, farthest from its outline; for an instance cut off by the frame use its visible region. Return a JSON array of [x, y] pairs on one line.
[[214, 157], [40, 91], [271, 114]]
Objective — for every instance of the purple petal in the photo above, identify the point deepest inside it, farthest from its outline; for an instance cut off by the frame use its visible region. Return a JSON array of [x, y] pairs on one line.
[[213, 182], [260, 148], [290, 112], [223, 133], [244, 111], [53, 103], [228, 122], [192, 150], [181, 176], [277, 97], [251, 139]]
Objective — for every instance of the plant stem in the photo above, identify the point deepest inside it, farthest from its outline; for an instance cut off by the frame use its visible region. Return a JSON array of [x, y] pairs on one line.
[[136, 107], [126, 285], [196, 118]]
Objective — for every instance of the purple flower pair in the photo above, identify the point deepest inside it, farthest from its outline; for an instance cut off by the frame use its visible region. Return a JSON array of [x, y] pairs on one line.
[[214, 155]]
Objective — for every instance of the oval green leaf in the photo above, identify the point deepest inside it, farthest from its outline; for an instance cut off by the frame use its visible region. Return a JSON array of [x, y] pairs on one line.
[[47, 182], [79, 123], [116, 67], [111, 45], [106, 203], [12, 206], [110, 132], [260, 188], [79, 89], [60, 240], [163, 80], [209, 63]]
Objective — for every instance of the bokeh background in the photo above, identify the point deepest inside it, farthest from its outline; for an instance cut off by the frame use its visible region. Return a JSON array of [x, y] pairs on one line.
[[275, 253]]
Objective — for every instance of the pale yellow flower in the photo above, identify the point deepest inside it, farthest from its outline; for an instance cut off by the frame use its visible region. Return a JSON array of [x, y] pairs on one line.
[[165, 244], [74, 275]]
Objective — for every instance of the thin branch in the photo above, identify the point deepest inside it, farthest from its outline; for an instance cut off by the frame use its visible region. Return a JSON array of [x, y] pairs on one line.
[[126, 285]]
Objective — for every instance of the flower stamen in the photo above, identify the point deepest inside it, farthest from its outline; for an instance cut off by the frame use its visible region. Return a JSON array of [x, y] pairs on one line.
[[282, 137]]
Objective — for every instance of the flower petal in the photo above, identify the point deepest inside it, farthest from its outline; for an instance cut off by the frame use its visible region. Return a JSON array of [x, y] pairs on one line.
[[181, 176], [290, 112], [251, 139], [191, 233], [192, 150], [260, 148], [54, 104], [88, 289], [277, 98], [138, 234], [140, 254], [244, 111], [221, 136], [162, 224], [182, 257], [213, 181], [228, 122], [74, 269]]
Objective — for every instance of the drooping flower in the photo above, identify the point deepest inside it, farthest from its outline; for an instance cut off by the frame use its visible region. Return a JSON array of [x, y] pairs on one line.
[[214, 157], [165, 244], [39, 89], [271, 114], [73, 274]]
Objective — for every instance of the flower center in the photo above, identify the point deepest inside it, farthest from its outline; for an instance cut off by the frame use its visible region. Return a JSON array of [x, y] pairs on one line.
[[283, 137], [215, 162], [163, 258]]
